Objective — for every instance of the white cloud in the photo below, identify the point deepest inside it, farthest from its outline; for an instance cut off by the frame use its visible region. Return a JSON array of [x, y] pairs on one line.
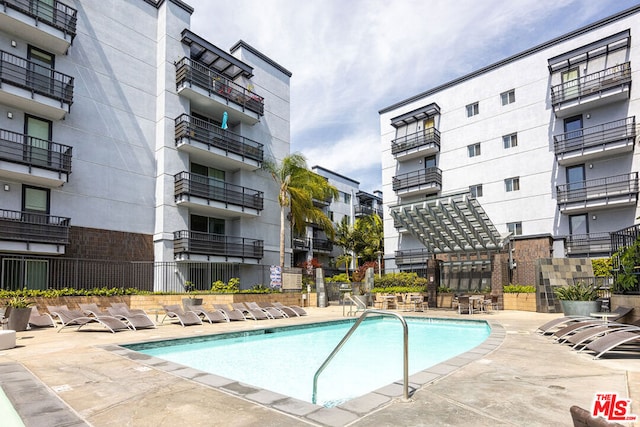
[[351, 58]]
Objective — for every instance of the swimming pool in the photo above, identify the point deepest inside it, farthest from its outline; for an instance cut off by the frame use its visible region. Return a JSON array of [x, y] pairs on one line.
[[285, 359]]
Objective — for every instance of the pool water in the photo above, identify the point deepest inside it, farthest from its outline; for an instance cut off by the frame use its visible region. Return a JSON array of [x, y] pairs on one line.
[[284, 360]]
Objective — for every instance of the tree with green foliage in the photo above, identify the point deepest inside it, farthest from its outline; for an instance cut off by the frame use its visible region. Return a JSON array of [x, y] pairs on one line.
[[298, 188]]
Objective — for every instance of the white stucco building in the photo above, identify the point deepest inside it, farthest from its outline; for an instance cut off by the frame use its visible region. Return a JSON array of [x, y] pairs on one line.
[[531, 157], [126, 138]]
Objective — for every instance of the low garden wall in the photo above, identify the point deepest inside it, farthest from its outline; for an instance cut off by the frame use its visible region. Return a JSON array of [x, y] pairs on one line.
[[519, 301], [151, 302]]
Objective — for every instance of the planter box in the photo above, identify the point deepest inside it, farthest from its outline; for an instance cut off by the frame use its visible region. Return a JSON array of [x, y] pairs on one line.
[[580, 308], [519, 301], [445, 300]]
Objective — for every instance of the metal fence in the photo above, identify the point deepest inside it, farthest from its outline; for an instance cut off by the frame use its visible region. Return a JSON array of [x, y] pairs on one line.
[[18, 272]]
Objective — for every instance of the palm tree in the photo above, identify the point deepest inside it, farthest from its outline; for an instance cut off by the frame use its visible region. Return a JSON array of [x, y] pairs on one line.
[[298, 188], [371, 230]]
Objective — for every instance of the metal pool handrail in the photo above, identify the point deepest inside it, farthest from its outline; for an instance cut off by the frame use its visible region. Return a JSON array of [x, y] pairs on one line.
[[348, 335]]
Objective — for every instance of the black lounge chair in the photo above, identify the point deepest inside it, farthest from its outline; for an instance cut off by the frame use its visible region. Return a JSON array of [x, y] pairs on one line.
[[186, 318]]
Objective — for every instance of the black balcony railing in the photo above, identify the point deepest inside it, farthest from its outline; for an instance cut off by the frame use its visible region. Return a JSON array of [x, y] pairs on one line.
[[213, 136], [595, 136], [426, 137], [54, 13], [584, 244], [301, 243], [429, 176], [322, 245], [412, 256], [618, 185], [35, 78], [363, 210], [591, 83], [27, 150], [192, 185], [194, 242], [33, 227], [189, 72]]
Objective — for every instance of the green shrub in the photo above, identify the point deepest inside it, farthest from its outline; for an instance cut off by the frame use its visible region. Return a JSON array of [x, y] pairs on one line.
[[399, 289], [219, 287], [338, 278], [519, 289], [601, 267], [399, 279], [580, 291], [444, 290]]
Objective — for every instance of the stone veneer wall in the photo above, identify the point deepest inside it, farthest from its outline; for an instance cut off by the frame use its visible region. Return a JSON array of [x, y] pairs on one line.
[[107, 245], [558, 272]]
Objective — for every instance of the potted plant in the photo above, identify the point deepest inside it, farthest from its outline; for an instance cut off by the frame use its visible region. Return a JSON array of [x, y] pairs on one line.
[[190, 289], [578, 299], [19, 310]]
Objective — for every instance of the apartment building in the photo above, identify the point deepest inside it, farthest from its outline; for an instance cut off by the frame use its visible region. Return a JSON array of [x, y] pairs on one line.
[[131, 148], [531, 157], [351, 203]]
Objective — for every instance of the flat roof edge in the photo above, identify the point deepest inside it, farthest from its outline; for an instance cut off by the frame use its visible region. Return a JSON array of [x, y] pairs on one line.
[[253, 50], [580, 31]]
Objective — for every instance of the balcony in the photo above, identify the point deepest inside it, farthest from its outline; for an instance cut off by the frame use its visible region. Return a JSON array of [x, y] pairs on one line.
[[209, 196], [214, 93], [33, 88], [593, 90], [364, 210], [610, 192], [50, 25], [27, 232], [34, 161], [198, 246], [424, 181], [598, 244], [207, 142], [419, 144], [321, 245], [301, 244], [605, 140], [412, 256]]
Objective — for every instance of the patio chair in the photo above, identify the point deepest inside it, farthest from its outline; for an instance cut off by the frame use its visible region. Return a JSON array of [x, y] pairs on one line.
[[271, 312], [614, 340], [582, 418], [40, 320], [583, 337], [551, 326], [255, 314], [92, 309], [465, 304], [70, 318], [286, 311], [186, 318], [125, 306], [295, 308], [135, 321], [210, 316], [231, 313]]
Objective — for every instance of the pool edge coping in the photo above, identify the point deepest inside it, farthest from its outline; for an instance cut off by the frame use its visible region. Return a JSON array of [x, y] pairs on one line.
[[341, 415]]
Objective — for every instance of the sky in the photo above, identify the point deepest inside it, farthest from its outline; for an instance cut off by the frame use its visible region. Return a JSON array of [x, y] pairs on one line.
[[351, 58]]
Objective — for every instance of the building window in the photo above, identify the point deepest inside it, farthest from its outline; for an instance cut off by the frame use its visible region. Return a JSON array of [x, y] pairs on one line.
[[510, 141], [512, 184], [347, 198], [476, 190], [473, 150], [473, 109], [331, 215], [508, 97], [515, 228]]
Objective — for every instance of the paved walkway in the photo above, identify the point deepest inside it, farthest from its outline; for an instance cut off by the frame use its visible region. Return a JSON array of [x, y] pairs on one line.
[[82, 378]]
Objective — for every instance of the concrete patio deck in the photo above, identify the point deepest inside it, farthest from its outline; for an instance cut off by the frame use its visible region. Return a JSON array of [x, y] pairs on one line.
[[82, 378]]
